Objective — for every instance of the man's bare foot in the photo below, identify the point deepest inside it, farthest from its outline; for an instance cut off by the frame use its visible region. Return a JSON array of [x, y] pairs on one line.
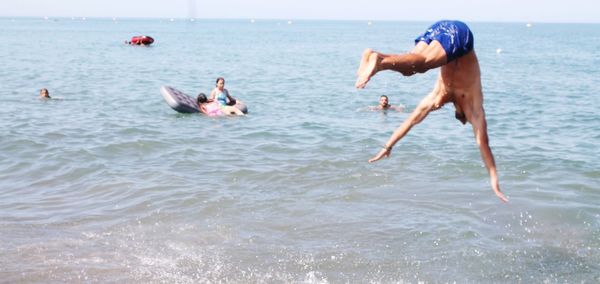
[[363, 60], [368, 71]]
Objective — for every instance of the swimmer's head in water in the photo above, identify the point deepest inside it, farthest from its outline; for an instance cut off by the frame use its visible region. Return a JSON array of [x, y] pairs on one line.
[[44, 93], [384, 101], [201, 98]]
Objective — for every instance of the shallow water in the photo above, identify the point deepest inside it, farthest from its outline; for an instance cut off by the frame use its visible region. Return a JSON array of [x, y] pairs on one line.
[[109, 184]]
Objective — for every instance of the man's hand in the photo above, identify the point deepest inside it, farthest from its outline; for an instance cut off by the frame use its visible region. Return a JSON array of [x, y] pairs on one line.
[[383, 153], [496, 188]]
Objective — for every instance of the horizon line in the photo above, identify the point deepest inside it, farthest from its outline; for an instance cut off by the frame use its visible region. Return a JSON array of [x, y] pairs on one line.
[[281, 19]]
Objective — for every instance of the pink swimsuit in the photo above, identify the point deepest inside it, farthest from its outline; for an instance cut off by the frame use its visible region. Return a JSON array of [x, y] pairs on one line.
[[213, 109]]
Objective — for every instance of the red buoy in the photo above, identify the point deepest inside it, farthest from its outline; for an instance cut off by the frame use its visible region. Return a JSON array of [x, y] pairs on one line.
[[141, 40]]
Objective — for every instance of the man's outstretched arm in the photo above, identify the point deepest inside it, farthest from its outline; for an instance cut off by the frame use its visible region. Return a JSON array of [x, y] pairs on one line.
[[425, 106], [481, 137]]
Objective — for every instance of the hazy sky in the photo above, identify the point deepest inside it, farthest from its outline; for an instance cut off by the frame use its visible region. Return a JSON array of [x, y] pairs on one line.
[[468, 10]]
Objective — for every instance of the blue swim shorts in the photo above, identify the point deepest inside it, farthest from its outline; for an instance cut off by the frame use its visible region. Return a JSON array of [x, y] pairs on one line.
[[455, 37]]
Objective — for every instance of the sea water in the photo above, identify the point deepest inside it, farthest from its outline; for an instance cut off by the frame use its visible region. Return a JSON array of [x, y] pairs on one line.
[[106, 183]]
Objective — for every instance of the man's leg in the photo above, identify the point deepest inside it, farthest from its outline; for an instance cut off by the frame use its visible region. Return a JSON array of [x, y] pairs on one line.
[[419, 47], [365, 59], [428, 57]]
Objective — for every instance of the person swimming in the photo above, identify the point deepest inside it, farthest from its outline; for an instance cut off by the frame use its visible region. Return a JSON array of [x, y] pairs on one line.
[[385, 105], [214, 108], [220, 94], [44, 94]]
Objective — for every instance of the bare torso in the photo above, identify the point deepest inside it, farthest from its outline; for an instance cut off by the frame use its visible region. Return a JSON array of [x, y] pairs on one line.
[[459, 82]]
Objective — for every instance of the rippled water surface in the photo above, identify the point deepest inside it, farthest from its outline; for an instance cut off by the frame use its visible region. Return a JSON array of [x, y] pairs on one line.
[[108, 184]]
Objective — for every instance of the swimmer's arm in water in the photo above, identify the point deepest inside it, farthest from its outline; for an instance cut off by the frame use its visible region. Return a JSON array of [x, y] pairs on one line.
[[398, 108], [477, 119], [423, 109]]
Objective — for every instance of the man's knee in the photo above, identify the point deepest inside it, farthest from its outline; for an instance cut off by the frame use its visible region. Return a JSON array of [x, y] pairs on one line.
[[435, 55]]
